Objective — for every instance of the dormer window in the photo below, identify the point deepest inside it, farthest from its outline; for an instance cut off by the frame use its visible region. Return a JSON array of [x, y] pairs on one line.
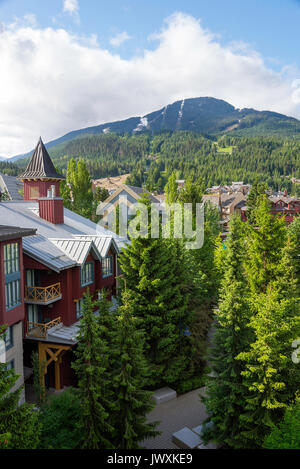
[[107, 267], [87, 274]]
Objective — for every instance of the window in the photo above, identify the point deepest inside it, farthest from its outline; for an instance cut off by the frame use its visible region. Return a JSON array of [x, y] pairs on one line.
[[107, 266], [87, 274], [12, 275], [79, 308], [12, 294], [34, 192], [33, 314], [9, 338], [10, 365], [11, 258]]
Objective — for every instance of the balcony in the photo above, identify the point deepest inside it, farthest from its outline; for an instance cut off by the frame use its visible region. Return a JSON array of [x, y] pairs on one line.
[[43, 295], [40, 331]]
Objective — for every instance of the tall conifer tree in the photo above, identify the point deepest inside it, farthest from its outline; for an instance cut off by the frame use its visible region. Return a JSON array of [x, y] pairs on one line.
[[132, 400], [155, 273], [264, 245], [270, 376], [90, 366], [225, 385]]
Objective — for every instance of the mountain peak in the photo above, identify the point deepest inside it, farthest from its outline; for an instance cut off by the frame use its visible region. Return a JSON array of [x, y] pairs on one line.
[[205, 115]]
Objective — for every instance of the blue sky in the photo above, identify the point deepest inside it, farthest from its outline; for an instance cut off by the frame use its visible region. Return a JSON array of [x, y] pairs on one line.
[[269, 26], [68, 64]]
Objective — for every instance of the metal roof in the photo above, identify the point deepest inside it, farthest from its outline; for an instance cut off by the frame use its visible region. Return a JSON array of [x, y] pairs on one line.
[[76, 249], [102, 243], [41, 248], [12, 185], [40, 165], [13, 232]]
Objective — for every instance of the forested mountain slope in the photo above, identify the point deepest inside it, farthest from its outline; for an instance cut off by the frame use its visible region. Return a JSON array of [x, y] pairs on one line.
[[152, 158], [207, 116]]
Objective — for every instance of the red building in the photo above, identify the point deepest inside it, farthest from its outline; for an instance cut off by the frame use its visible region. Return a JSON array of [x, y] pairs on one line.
[[67, 256], [12, 310], [284, 205]]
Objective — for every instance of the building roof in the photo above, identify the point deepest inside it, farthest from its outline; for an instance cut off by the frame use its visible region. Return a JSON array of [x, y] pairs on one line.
[[140, 191], [40, 165], [227, 200], [214, 199], [41, 248], [285, 199], [102, 244], [13, 232], [12, 185], [110, 183], [77, 249]]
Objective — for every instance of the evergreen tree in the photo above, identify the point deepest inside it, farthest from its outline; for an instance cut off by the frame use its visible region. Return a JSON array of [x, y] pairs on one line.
[[225, 391], [192, 192], [155, 275], [133, 401], [107, 324], [59, 418], [257, 192], [270, 376], [90, 366], [264, 244], [77, 189], [286, 435], [18, 424], [171, 190]]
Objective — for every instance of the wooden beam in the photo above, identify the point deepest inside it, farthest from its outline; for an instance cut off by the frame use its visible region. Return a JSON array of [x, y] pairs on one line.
[[57, 376], [55, 352]]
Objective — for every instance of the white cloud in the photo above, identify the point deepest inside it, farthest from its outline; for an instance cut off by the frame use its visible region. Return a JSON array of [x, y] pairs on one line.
[[119, 39], [72, 7], [52, 81]]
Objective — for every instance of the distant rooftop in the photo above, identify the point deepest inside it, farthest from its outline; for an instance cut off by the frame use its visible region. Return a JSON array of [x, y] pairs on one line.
[[40, 165]]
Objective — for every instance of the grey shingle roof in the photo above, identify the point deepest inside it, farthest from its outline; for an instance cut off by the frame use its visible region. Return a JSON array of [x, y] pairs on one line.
[[40, 165]]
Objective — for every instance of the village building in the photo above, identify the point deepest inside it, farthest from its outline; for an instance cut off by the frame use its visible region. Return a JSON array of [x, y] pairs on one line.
[[284, 205], [111, 184], [12, 308], [67, 256], [126, 196]]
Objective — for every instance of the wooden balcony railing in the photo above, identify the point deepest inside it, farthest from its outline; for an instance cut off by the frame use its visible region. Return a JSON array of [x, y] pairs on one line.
[[35, 329], [43, 295]]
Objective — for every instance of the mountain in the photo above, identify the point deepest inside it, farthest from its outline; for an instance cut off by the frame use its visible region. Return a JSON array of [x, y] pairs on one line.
[[208, 116]]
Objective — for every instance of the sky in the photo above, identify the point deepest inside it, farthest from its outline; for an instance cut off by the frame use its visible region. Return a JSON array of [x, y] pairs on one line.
[[70, 64]]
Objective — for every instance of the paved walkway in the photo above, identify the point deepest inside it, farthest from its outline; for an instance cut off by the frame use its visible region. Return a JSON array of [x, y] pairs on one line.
[[185, 411]]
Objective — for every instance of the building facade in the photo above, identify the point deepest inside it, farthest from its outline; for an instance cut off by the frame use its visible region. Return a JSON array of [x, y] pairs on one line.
[[12, 308], [67, 256]]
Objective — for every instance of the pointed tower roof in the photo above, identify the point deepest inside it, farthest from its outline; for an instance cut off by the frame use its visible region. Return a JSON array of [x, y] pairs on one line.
[[40, 165]]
